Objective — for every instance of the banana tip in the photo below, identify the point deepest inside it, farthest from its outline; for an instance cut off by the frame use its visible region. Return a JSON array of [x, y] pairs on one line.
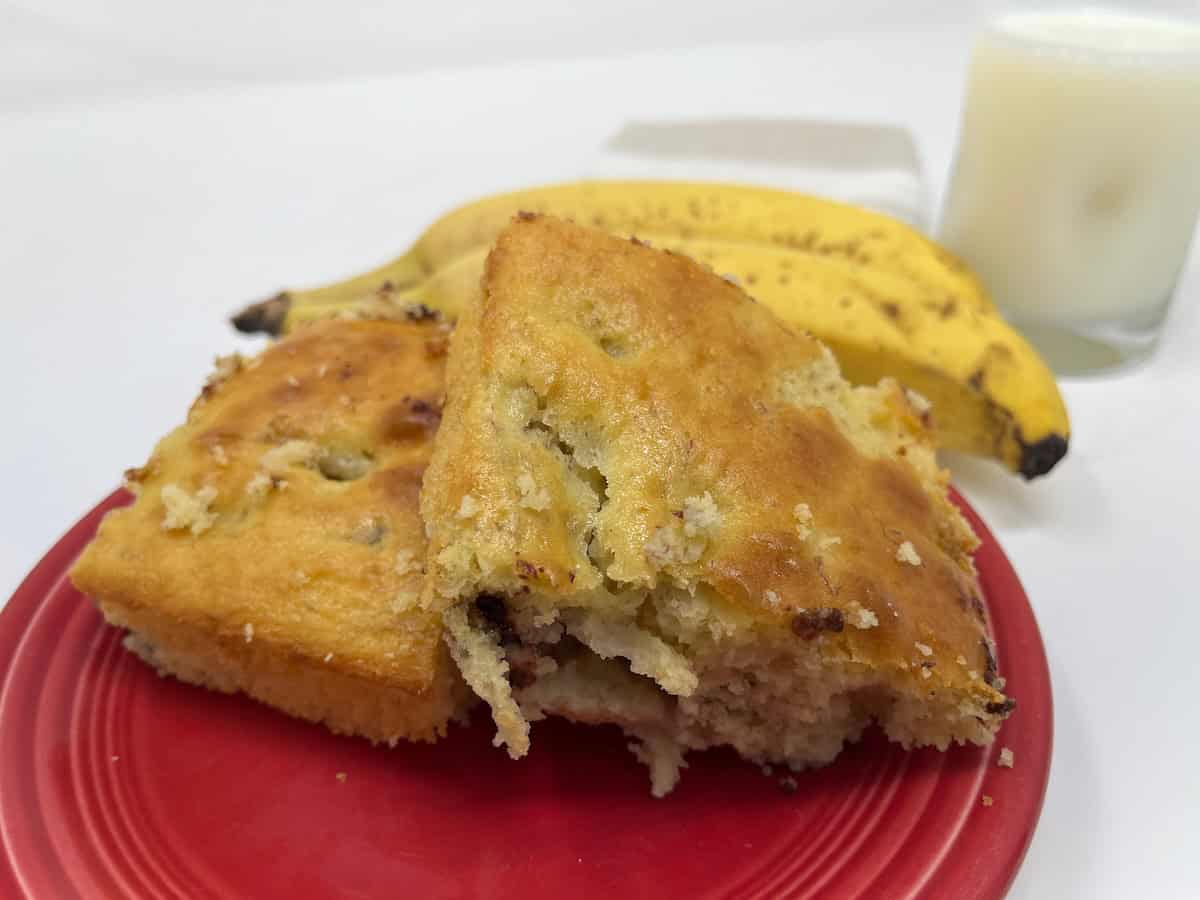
[[1042, 455], [264, 317]]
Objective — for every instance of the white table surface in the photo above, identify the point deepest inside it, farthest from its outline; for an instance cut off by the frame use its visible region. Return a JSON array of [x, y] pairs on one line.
[[135, 221]]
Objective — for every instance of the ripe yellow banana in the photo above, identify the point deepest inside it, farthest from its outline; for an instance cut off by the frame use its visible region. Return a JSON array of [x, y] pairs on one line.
[[651, 209], [887, 300]]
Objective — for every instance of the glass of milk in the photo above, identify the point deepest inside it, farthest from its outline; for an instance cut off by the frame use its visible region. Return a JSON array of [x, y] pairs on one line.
[[1077, 182]]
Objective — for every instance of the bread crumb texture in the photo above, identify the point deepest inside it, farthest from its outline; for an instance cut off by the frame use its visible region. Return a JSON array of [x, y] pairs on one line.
[[186, 511], [278, 460], [532, 496], [683, 539], [860, 617], [907, 553]]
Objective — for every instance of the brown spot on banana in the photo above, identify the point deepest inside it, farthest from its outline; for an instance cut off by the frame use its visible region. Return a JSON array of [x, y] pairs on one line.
[[1000, 351]]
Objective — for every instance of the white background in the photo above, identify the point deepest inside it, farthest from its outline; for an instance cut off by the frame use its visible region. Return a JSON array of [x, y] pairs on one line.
[[161, 164]]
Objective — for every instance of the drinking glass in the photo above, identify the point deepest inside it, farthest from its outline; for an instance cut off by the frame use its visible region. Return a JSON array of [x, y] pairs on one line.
[[1077, 178]]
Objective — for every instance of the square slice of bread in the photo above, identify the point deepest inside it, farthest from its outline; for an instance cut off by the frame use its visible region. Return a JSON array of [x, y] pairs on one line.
[[651, 503], [275, 545]]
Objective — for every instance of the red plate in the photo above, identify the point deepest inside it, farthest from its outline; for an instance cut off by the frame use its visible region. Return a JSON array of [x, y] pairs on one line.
[[115, 783]]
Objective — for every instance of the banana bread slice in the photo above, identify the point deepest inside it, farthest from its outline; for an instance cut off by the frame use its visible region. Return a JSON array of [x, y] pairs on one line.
[[651, 503], [275, 546]]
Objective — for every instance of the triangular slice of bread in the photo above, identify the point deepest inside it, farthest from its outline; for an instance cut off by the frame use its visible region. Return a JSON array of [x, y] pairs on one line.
[[651, 503]]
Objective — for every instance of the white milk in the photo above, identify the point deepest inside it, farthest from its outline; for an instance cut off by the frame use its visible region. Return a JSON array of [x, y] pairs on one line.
[[1077, 182]]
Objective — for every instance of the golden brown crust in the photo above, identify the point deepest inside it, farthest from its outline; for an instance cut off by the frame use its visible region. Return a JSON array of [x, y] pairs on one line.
[[666, 418], [275, 546]]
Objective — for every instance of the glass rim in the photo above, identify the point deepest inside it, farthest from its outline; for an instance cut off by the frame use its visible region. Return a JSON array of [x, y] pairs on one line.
[[1028, 30]]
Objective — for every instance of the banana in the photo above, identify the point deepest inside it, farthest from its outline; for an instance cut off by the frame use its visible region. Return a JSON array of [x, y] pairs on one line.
[[887, 301], [751, 215]]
